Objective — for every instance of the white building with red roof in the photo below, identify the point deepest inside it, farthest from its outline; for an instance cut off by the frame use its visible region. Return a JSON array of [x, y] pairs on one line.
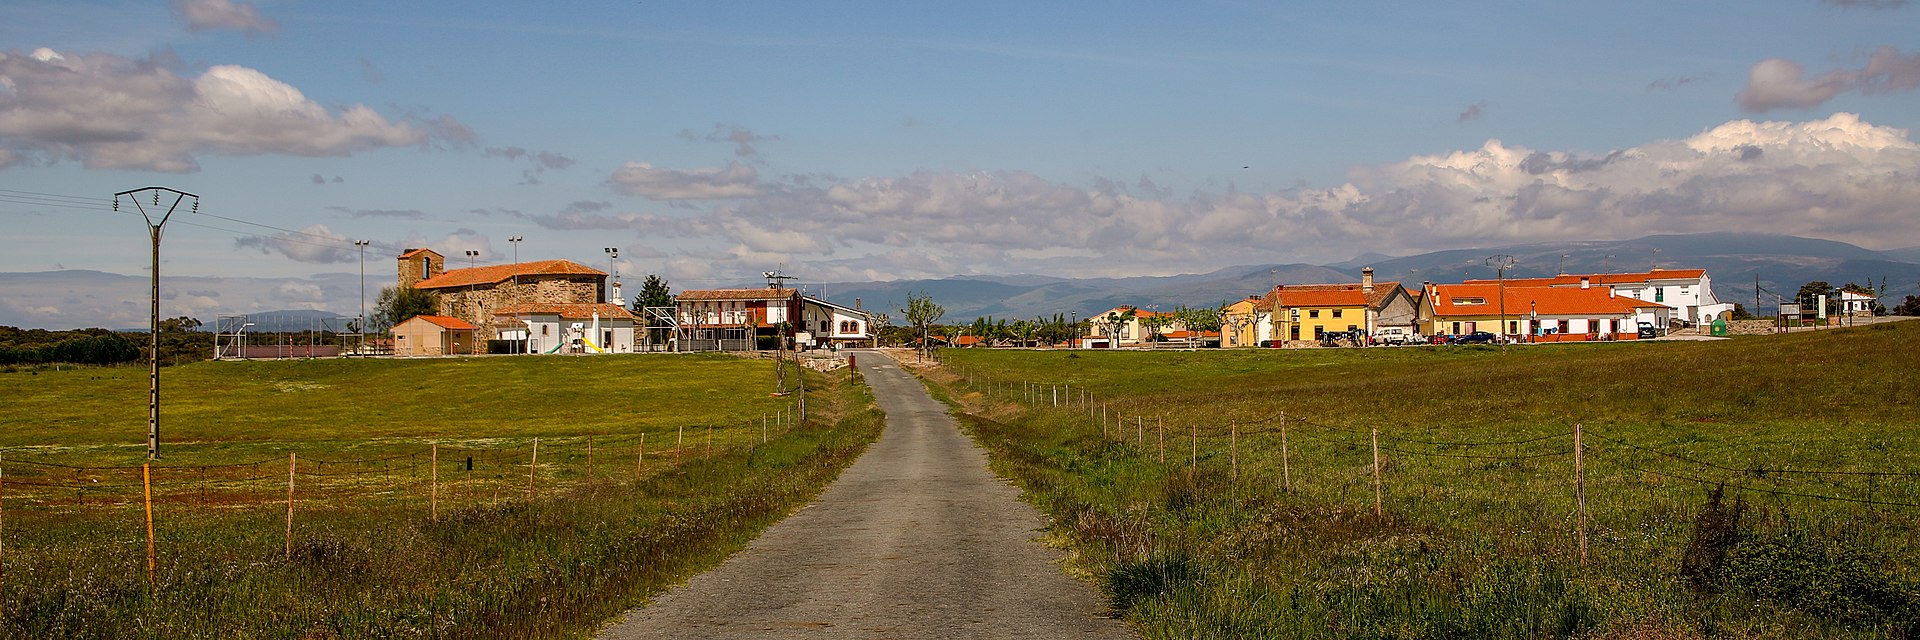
[[1536, 313], [582, 328], [1689, 292]]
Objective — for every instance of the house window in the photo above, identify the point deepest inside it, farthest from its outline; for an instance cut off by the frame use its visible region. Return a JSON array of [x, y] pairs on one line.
[[1659, 294], [1336, 313], [1563, 326], [1513, 326], [823, 326], [544, 328], [1456, 328], [1314, 314]]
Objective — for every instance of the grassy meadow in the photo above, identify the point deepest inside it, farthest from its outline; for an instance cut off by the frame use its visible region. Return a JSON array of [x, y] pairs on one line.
[[1478, 531], [489, 540]]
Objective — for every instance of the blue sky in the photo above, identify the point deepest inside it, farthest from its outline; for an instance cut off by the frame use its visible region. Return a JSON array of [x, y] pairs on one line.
[[873, 141]]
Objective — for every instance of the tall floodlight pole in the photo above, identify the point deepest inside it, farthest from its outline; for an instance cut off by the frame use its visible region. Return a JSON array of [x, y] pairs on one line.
[[613, 260], [1502, 262], [153, 335], [515, 241], [362, 327]]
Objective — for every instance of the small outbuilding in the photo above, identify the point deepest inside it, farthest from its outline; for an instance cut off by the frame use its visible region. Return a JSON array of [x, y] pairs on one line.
[[433, 336]]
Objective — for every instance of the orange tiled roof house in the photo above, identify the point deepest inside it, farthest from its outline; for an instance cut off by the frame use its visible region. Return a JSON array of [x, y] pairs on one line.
[[474, 294]]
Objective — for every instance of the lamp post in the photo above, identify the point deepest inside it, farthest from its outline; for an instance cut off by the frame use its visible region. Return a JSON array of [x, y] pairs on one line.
[[1074, 322], [1533, 317], [613, 260]]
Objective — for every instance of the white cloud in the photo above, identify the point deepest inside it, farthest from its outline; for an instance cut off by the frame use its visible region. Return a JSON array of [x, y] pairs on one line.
[[645, 180], [123, 113], [1838, 177], [1777, 83], [315, 244], [206, 15]]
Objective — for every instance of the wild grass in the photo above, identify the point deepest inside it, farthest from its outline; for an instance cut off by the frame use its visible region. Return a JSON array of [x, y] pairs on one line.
[[1477, 540], [369, 557]]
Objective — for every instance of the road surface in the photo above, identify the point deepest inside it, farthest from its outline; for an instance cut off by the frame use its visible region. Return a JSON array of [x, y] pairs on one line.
[[917, 539]]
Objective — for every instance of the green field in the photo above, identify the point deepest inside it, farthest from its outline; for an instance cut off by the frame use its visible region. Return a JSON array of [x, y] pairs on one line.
[[488, 540], [1478, 535]]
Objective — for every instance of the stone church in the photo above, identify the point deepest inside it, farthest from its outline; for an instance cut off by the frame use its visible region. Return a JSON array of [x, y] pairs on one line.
[[474, 294]]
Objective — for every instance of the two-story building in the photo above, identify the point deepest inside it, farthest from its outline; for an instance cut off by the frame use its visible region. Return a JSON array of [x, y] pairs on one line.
[[1247, 322], [735, 319], [1687, 293], [1536, 313], [1309, 311], [824, 323]]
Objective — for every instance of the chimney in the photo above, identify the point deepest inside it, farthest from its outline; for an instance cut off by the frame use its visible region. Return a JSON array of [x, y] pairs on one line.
[[1584, 282], [1366, 280], [856, 304]]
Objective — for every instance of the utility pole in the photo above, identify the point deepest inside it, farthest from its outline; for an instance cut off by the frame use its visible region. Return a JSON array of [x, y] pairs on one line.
[[154, 230], [1502, 262]]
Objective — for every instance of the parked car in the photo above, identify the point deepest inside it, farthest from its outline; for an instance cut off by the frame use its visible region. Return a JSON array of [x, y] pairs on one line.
[[1477, 337], [1647, 331], [1395, 335]]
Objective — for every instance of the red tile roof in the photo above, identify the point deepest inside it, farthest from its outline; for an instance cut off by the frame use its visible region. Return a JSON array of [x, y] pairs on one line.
[[1601, 278], [1449, 300], [446, 322], [414, 252], [1333, 295], [582, 310], [501, 273], [759, 293]]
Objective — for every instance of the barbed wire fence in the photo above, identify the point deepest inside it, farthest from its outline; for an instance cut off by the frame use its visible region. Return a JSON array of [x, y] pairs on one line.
[[1126, 422], [420, 480]]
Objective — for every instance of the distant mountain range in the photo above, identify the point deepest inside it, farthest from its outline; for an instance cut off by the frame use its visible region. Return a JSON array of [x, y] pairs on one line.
[[76, 299]]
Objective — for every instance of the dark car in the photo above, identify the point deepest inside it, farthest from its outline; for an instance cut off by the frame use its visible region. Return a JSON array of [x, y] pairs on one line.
[[1477, 337]]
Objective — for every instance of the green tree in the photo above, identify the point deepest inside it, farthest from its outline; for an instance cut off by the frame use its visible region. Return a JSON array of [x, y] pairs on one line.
[[1910, 307], [921, 313], [653, 293], [1153, 322], [1740, 312], [1809, 295], [395, 305]]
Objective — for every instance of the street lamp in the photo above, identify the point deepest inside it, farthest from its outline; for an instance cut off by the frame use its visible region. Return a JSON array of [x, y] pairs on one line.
[[1074, 322]]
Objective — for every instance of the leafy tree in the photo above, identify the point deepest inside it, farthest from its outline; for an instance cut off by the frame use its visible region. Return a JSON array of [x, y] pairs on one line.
[[1113, 321], [653, 293], [921, 313], [1809, 294], [1910, 307], [1154, 322], [182, 323], [1198, 320], [1740, 312], [395, 305]]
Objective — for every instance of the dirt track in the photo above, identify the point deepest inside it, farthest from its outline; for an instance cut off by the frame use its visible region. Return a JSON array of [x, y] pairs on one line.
[[915, 540]]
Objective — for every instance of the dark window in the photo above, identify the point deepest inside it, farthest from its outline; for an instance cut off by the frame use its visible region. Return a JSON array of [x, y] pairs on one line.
[[1315, 313], [1563, 326], [1336, 313]]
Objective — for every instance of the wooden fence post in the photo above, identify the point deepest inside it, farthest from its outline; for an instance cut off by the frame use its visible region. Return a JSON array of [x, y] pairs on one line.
[[3, 513], [1580, 489], [640, 461], [433, 497], [589, 462], [1139, 432], [1377, 512], [293, 462], [1193, 459], [763, 428], [1162, 422], [533, 466], [709, 442], [1233, 452], [146, 487], [679, 439], [1286, 465]]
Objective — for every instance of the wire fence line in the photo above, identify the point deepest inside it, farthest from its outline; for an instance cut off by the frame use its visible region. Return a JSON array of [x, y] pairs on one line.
[[1127, 418]]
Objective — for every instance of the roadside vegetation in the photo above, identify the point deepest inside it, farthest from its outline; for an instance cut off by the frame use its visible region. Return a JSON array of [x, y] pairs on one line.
[[1761, 487], [421, 509]]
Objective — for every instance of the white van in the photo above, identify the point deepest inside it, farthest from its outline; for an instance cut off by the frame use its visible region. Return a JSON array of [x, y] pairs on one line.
[[1395, 335]]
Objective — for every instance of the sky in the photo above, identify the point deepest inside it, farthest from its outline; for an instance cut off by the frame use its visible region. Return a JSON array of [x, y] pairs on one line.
[[710, 142]]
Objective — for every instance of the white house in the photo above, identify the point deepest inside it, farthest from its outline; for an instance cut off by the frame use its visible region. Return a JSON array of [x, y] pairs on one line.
[[1853, 302], [1688, 291], [823, 323], [596, 328]]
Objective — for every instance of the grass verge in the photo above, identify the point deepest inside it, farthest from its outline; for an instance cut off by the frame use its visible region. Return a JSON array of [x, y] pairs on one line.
[[1477, 533]]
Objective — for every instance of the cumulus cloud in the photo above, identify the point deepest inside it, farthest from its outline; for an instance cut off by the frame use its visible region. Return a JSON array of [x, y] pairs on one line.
[[208, 15], [112, 112], [1838, 177], [1777, 83], [315, 244], [658, 183]]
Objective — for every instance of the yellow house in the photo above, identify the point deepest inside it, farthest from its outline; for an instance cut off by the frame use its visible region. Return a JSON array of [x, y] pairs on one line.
[[1246, 323], [1306, 312]]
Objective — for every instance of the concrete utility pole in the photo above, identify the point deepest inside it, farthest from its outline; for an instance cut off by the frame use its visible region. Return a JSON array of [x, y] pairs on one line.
[[154, 230], [515, 241], [1502, 262], [362, 327]]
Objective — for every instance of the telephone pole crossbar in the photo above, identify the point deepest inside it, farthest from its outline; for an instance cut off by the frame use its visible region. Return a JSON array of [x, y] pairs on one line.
[[154, 230]]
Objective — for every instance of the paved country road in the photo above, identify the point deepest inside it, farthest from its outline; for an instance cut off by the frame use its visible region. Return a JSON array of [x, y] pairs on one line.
[[915, 540]]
